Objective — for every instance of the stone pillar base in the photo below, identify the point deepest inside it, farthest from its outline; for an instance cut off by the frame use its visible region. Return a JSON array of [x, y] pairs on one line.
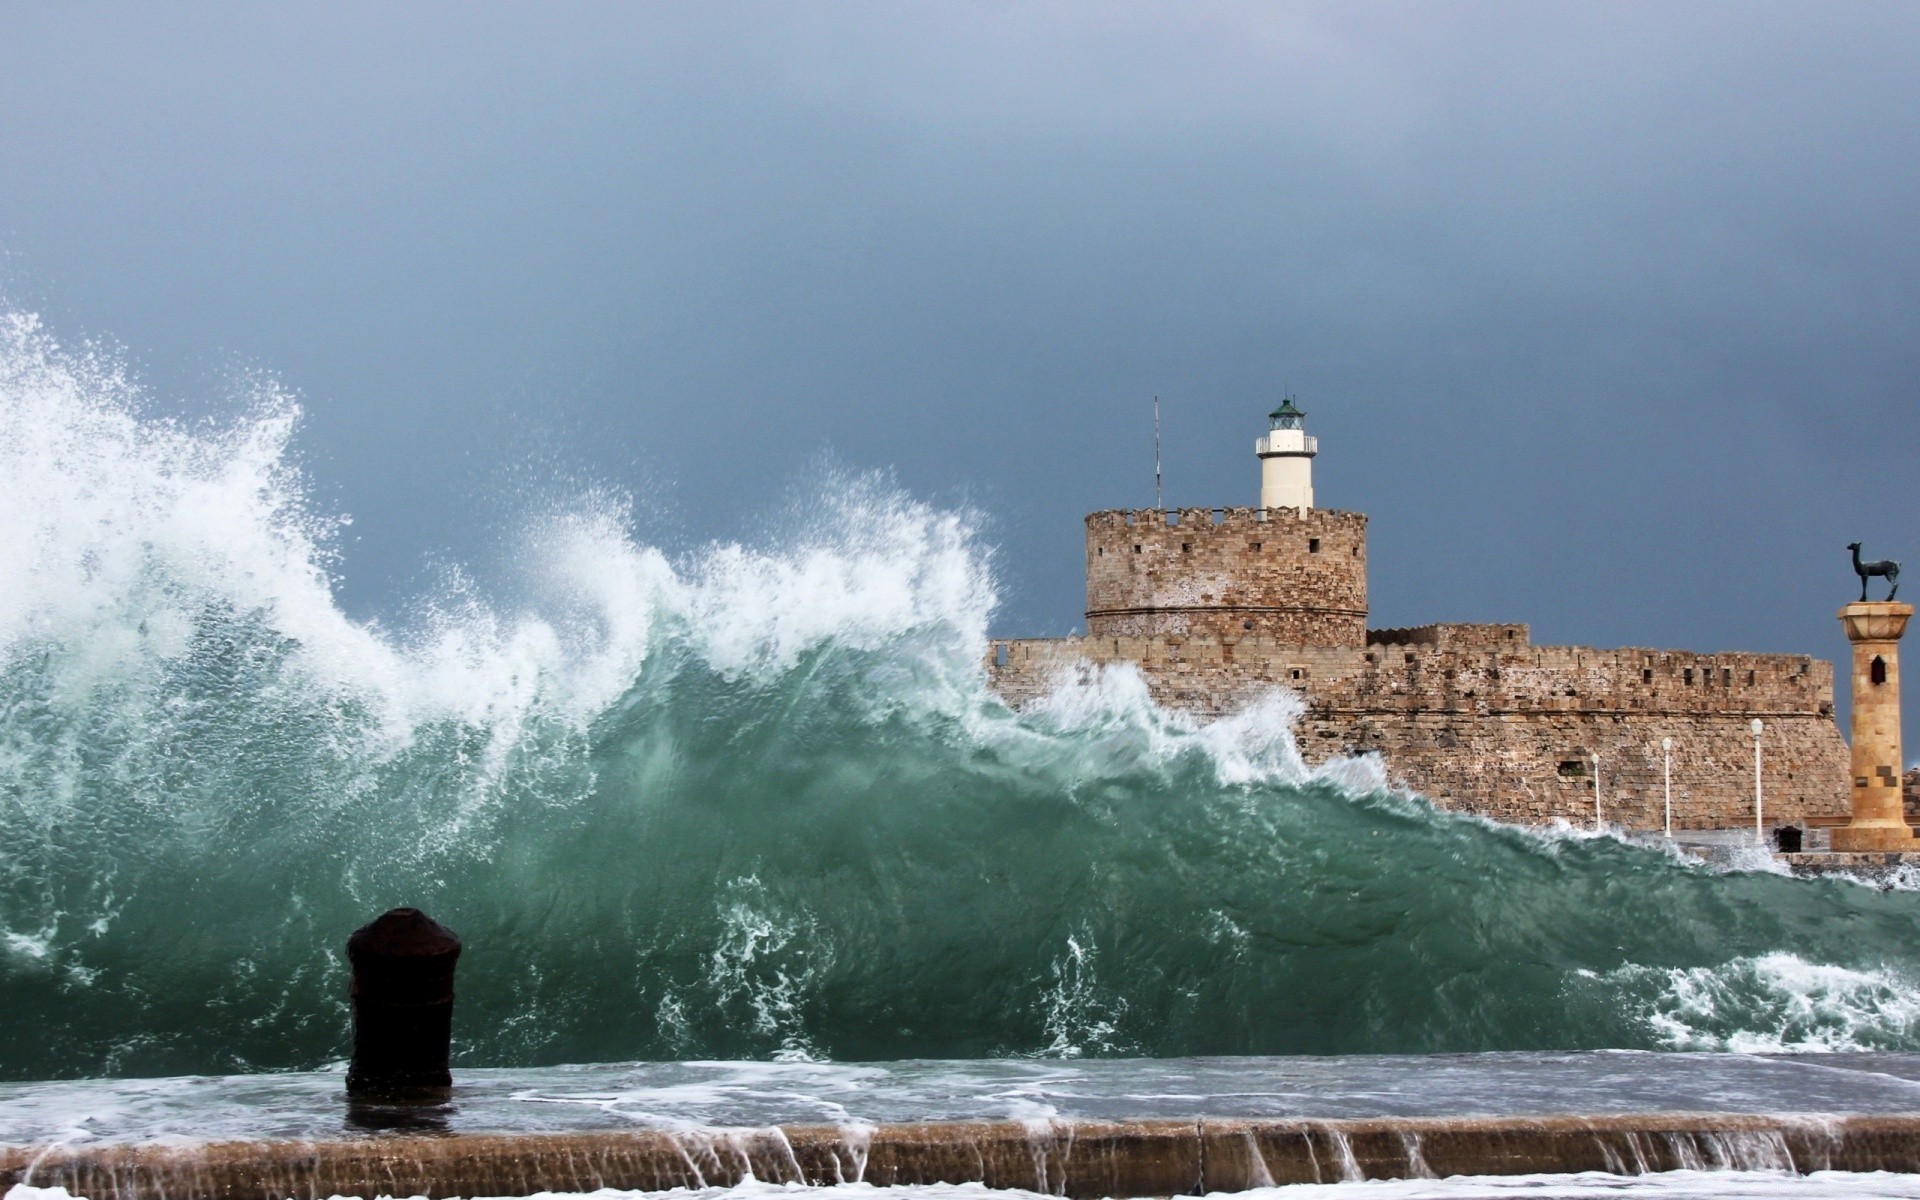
[[1874, 837]]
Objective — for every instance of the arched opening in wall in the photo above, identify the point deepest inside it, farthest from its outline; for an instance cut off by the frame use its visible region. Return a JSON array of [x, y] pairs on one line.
[[1313, 545], [1878, 672], [1000, 655]]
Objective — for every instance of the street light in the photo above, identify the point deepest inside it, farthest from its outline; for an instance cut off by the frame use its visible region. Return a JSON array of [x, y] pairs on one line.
[[1598, 824], [1666, 763], [1758, 837]]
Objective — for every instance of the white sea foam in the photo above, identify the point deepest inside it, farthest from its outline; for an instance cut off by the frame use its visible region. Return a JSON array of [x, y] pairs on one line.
[[1079, 1015], [1108, 711], [1773, 1003], [1594, 1185], [1671, 1185]]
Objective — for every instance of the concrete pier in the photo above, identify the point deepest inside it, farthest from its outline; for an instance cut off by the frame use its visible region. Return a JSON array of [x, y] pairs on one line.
[[1066, 1158], [1874, 629]]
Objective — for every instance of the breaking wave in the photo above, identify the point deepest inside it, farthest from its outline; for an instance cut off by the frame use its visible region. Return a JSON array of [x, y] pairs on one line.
[[751, 801], [1776, 1003]]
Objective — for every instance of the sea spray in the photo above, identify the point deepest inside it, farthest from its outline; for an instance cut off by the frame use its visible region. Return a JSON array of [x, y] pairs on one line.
[[751, 801]]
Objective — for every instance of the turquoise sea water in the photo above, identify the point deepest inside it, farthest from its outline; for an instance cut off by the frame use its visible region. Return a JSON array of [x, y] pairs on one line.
[[750, 801]]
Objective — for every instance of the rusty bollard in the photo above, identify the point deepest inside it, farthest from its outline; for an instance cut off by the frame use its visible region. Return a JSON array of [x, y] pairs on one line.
[[402, 1006]]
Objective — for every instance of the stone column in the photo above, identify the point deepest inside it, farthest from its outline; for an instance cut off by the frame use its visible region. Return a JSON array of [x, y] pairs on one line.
[[1874, 627]]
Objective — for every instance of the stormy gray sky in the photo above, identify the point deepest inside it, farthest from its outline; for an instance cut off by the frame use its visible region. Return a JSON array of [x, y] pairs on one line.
[[1605, 313]]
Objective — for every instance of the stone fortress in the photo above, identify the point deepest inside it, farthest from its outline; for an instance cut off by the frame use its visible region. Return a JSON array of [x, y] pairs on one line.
[[1216, 606]]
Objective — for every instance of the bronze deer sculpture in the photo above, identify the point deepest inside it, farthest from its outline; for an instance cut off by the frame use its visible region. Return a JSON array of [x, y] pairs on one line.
[[1886, 568]]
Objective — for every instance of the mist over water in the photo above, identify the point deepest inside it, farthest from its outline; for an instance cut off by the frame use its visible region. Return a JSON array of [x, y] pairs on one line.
[[755, 801]]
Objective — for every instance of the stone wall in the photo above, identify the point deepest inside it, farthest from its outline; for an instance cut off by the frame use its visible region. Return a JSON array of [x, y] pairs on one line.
[[1452, 635], [1292, 575], [1495, 726]]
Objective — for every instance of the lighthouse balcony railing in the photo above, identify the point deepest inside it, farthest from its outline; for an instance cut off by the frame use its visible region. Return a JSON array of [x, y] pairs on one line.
[[1287, 441]]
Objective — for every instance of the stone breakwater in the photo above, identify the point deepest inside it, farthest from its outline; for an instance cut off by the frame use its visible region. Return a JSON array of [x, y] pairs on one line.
[[1077, 1158]]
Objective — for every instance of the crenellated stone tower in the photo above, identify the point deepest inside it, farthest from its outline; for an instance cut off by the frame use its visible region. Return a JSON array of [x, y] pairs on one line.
[[1286, 570]]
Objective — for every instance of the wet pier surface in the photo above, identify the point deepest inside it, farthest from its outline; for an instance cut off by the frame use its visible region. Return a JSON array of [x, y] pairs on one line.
[[1098, 1128], [681, 1095]]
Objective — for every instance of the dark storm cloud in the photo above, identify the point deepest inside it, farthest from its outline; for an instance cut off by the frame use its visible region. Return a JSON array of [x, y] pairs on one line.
[[1604, 312]]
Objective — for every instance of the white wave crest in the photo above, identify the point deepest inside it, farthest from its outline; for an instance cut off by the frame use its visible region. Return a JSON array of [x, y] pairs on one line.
[[129, 532], [1109, 710]]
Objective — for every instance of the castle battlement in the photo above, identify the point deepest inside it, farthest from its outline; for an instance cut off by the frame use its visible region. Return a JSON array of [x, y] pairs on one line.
[[1293, 574], [1217, 606]]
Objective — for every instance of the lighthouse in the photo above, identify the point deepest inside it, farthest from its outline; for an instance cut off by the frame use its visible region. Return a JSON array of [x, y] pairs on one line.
[[1286, 459]]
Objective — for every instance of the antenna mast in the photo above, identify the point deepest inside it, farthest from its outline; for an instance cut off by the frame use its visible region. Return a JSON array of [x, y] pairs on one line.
[[1156, 453]]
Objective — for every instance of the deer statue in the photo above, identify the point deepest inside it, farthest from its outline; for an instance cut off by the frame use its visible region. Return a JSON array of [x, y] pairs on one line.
[[1886, 568]]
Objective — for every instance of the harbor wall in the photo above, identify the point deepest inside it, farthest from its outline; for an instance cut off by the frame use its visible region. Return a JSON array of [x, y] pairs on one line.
[[1084, 1159], [1478, 719]]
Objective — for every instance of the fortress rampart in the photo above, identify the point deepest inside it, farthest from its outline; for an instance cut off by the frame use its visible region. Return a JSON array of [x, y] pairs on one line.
[[1477, 719], [1294, 575], [1217, 606]]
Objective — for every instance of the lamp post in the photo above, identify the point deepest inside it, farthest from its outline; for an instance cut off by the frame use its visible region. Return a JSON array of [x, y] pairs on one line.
[[1666, 766], [1759, 837], [1598, 824]]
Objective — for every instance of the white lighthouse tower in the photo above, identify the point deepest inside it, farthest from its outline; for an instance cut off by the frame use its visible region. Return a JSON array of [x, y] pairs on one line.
[[1286, 459]]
